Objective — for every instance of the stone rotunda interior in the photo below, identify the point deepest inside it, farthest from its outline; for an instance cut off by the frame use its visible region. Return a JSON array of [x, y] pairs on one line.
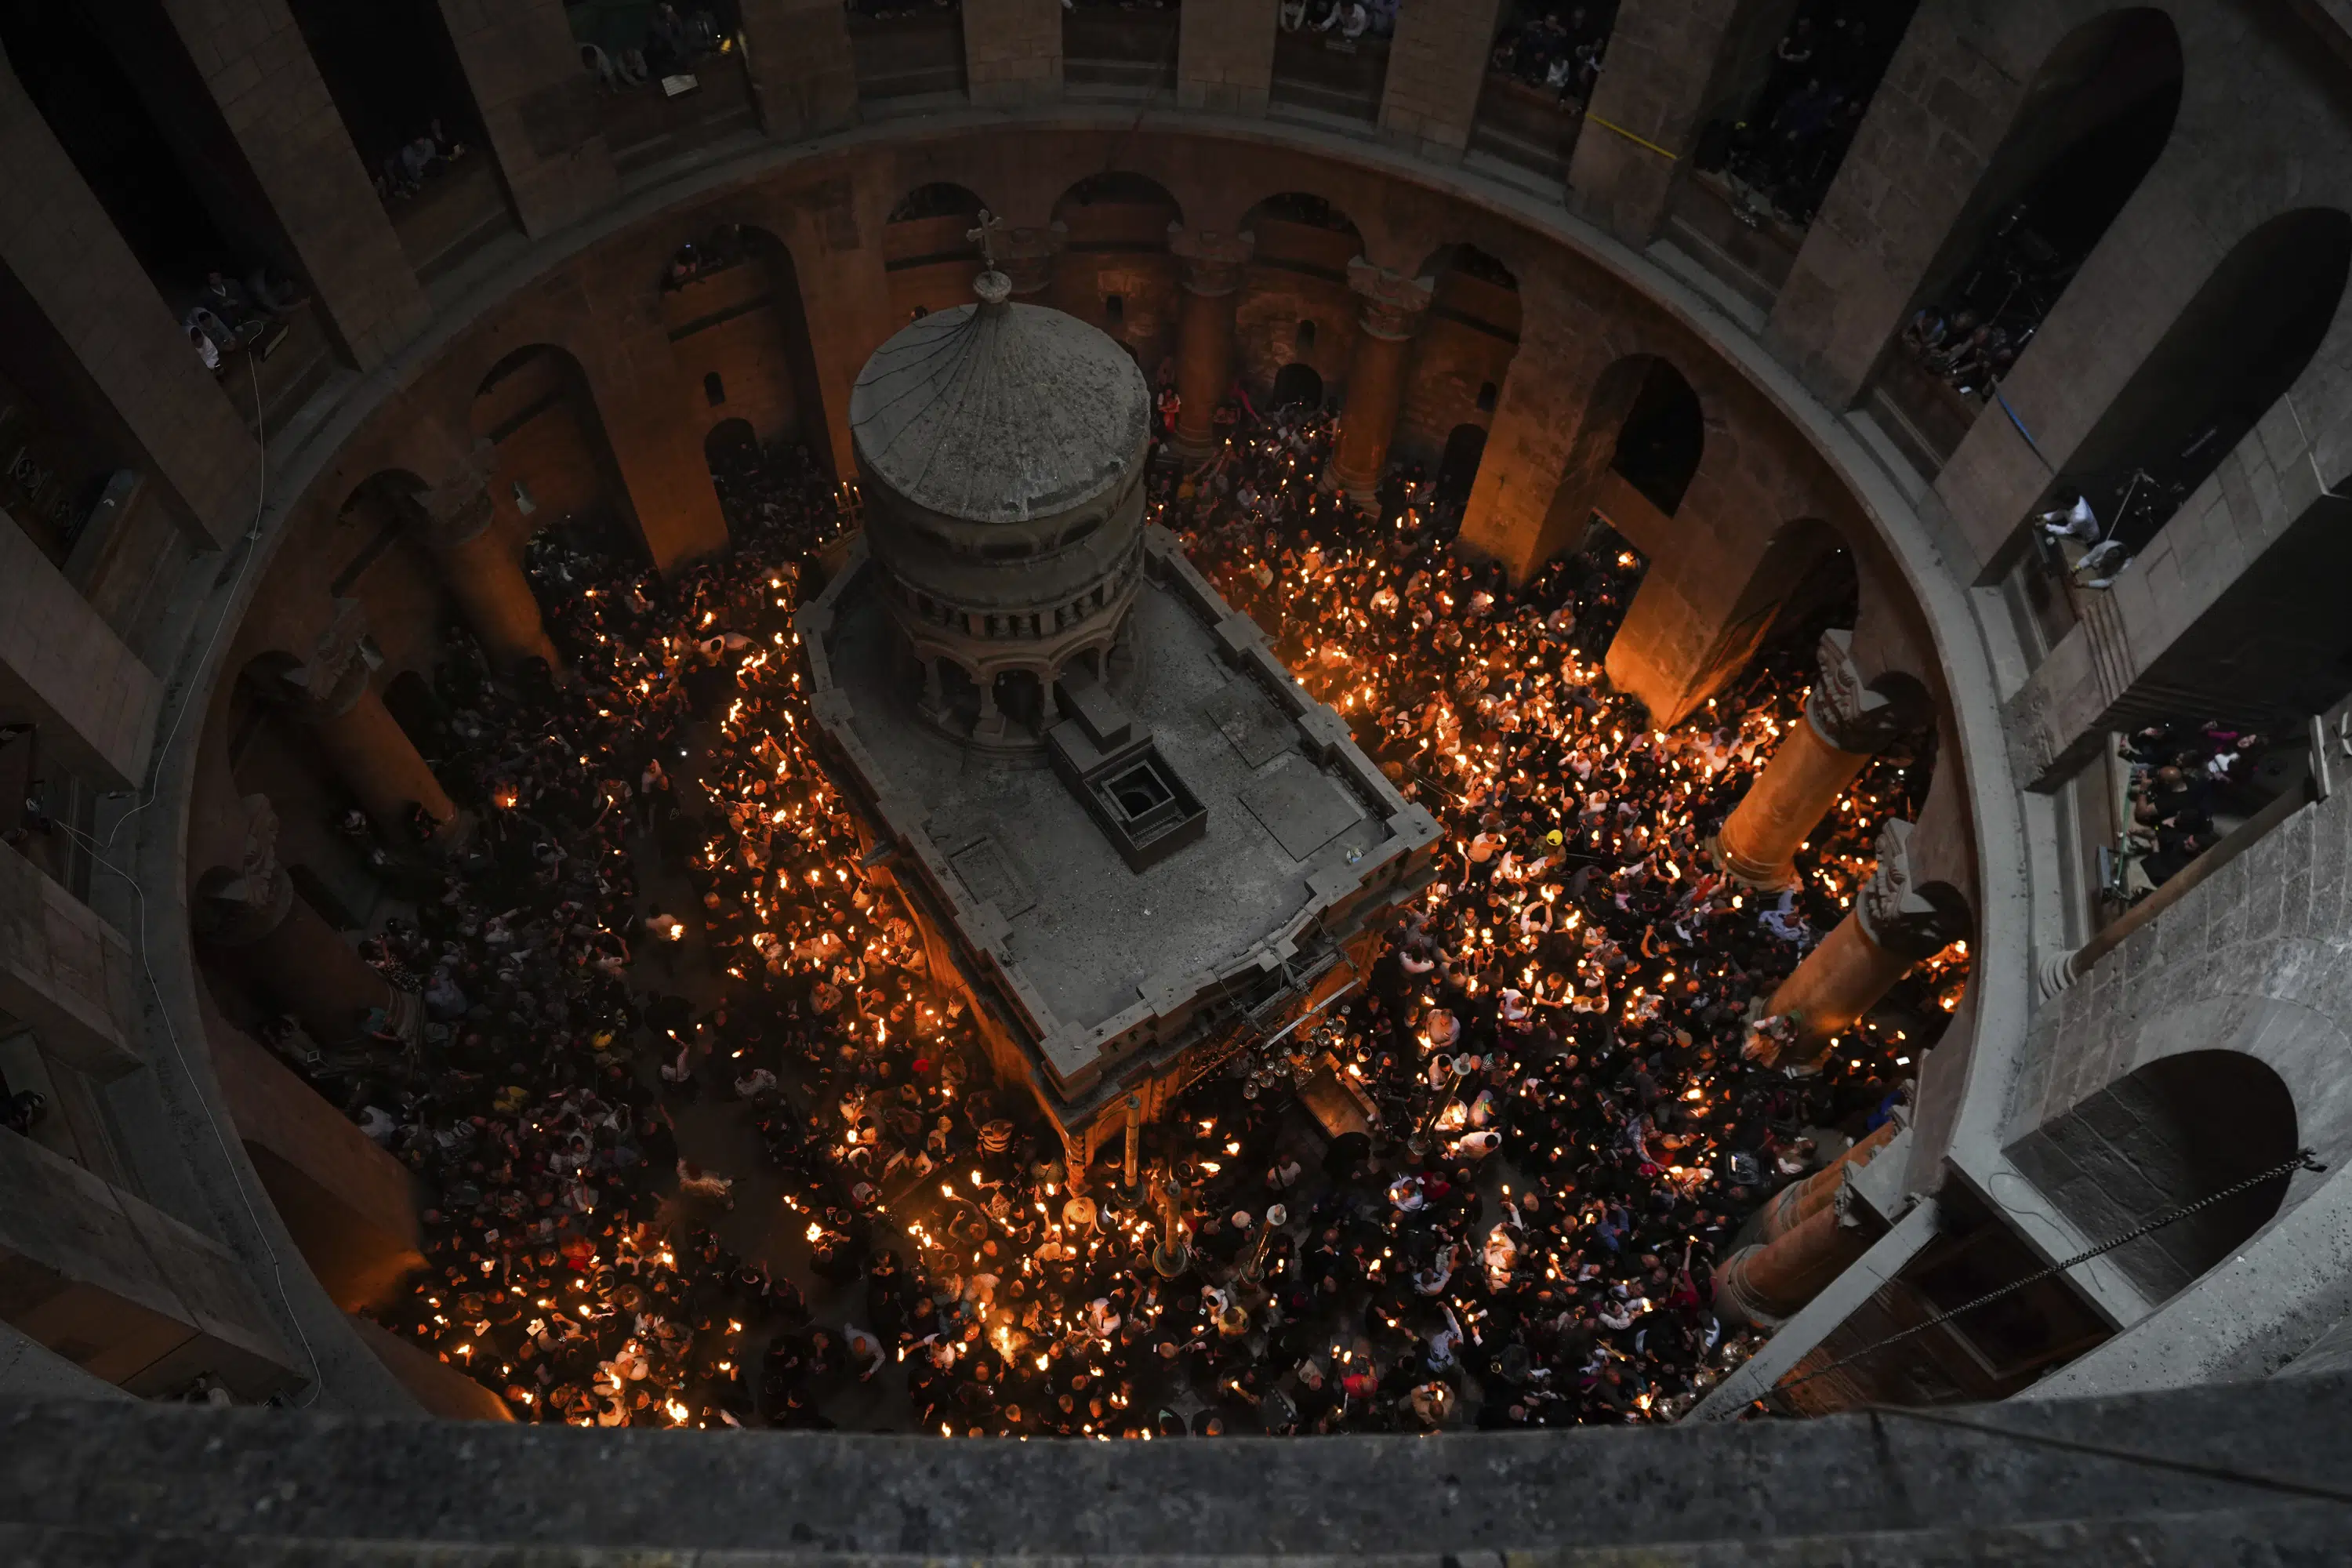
[[1305, 740]]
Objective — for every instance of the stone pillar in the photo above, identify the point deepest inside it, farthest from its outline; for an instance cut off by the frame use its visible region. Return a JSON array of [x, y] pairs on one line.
[[96, 298], [1895, 924], [1392, 315], [1225, 56], [125, 1292], [538, 106], [1800, 1200], [363, 743], [259, 70], [1765, 1285], [1845, 723], [1204, 329], [63, 970], [483, 575], [63, 671], [1437, 66], [251, 916], [1013, 52], [1026, 256], [349, 1207], [803, 77]]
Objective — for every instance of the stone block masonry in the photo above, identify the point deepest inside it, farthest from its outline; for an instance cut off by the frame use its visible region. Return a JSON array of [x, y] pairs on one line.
[[1225, 56], [1012, 51]]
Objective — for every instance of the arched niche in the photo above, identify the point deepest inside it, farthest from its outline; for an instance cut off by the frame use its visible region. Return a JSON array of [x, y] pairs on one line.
[[1295, 307]]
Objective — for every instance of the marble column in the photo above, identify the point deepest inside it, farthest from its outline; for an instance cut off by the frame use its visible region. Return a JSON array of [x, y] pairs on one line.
[[1845, 724], [364, 745], [251, 916], [1026, 256], [1204, 329], [1765, 1284], [482, 574], [1392, 308], [1895, 924]]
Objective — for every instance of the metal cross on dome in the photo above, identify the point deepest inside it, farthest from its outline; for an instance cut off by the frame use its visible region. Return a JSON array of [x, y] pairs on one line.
[[990, 229]]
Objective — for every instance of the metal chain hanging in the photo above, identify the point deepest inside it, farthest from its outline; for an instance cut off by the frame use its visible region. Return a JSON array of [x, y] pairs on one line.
[[2305, 1159]]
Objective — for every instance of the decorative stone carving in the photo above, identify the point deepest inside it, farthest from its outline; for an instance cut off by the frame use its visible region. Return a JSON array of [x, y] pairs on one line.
[[1213, 261], [1393, 303], [241, 904], [1851, 714], [338, 668], [1903, 916], [459, 509]]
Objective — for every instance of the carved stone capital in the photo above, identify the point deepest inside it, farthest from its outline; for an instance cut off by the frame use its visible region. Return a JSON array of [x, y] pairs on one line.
[[1392, 303], [1213, 261], [1849, 713], [245, 902], [1905, 917], [338, 668], [459, 509]]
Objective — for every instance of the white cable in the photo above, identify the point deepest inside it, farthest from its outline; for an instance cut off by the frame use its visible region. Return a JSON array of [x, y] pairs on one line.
[[98, 856]]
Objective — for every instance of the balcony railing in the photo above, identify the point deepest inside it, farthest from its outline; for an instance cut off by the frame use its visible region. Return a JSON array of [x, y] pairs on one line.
[[1111, 51], [1325, 75], [1525, 126], [910, 54]]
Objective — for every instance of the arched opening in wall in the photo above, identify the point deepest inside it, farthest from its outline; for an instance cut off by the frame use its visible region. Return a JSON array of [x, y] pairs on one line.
[[1297, 386], [730, 442], [1331, 58], [928, 251], [1116, 49], [2228, 359], [2168, 1133], [397, 83], [909, 54], [555, 467], [731, 302], [1457, 468], [1540, 73], [1468, 337], [137, 122], [1782, 116], [1664, 436], [1116, 248], [2095, 120], [1296, 279], [1021, 698]]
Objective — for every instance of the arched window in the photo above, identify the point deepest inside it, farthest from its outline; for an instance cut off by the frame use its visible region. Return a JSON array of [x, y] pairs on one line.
[[714, 390]]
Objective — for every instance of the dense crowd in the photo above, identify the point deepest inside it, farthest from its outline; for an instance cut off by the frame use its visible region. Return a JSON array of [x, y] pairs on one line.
[[1558, 47], [661, 941], [2182, 778], [1782, 153]]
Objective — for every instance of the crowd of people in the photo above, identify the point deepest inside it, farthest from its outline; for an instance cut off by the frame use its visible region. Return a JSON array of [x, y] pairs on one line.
[[1344, 21], [622, 50], [1556, 47], [709, 1143], [2183, 777], [1781, 153]]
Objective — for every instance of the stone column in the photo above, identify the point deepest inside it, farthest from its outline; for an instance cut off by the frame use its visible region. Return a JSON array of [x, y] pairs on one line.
[[64, 971], [1800, 1200], [804, 77], [483, 575], [1392, 315], [1765, 1284], [363, 743], [1012, 52], [1026, 256], [1205, 328], [539, 108], [1845, 724], [64, 671], [1894, 924], [251, 916], [1437, 67], [1225, 56]]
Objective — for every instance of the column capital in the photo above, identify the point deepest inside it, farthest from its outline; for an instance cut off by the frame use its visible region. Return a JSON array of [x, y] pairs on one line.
[[1392, 302], [1849, 713], [1906, 918], [1213, 260], [1026, 256], [459, 509], [243, 903], [337, 671]]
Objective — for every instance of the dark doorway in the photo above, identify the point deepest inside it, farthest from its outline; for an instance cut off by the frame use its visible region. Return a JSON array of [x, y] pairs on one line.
[[1457, 469], [729, 440], [1659, 445], [1298, 385]]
